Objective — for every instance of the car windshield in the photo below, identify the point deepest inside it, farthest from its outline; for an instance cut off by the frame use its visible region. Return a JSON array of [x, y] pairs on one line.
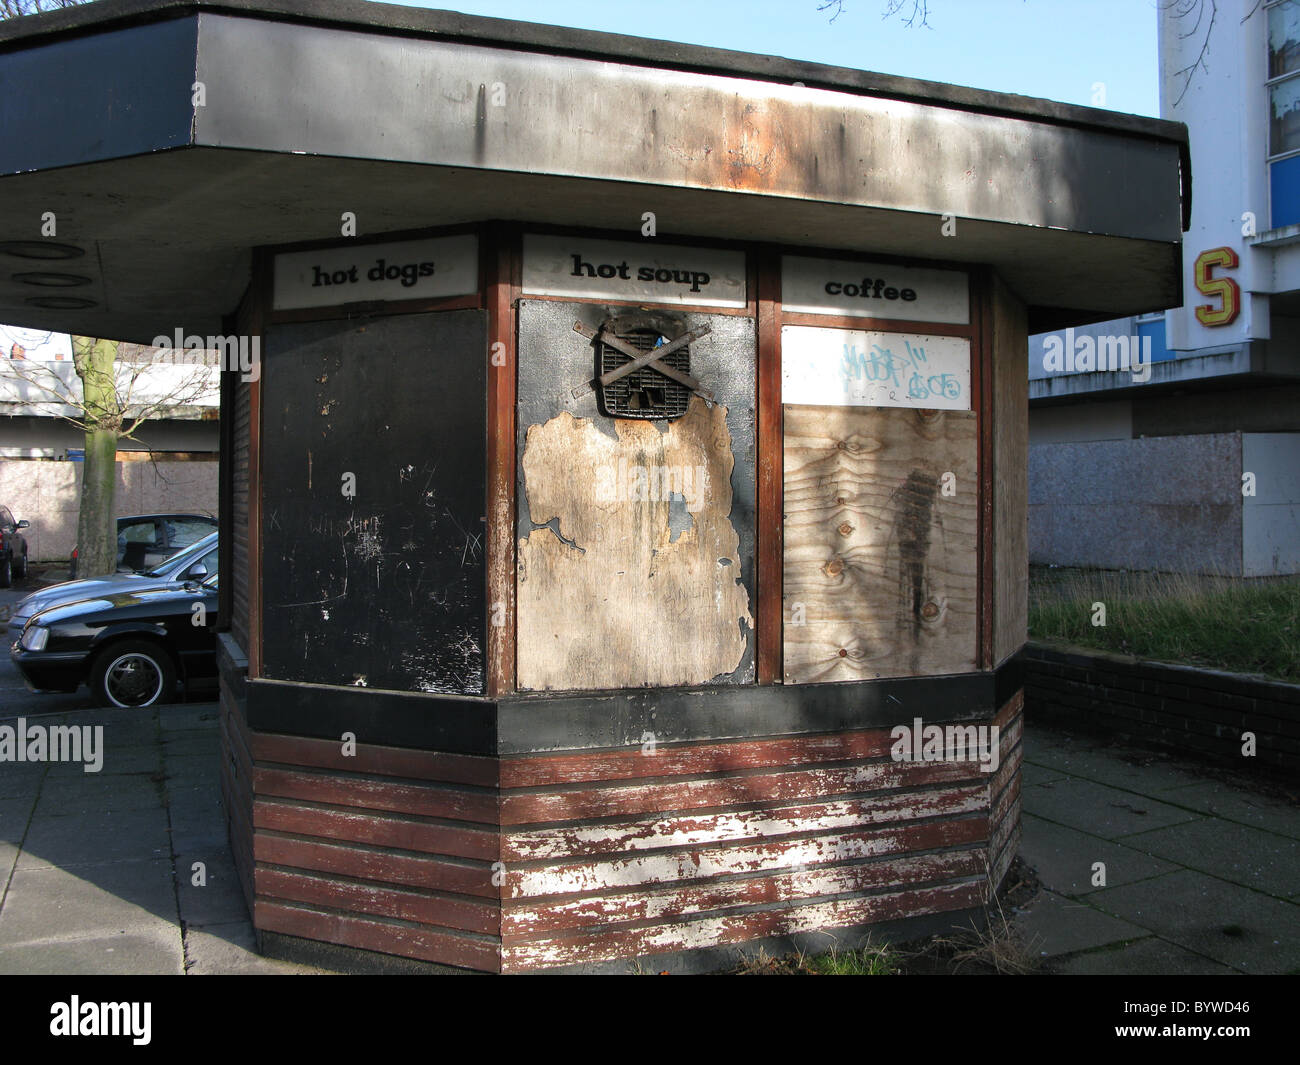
[[182, 558]]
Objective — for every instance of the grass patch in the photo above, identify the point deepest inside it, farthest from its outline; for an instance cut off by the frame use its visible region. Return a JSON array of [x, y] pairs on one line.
[[1234, 624], [869, 960]]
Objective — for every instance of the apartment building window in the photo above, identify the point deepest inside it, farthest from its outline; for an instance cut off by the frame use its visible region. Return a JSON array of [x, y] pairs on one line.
[[1284, 112]]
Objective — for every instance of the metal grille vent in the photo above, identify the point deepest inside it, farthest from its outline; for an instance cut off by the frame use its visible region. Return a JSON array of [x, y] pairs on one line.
[[644, 393]]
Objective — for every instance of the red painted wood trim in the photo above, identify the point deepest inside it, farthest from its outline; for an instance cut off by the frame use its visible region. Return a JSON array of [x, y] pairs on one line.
[[881, 325], [769, 575], [427, 800], [580, 845], [691, 759], [409, 941], [982, 284], [370, 758], [374, 830], [529, 920], [659, 797], [402, 904], [436, 874], [501, 257], [737, 927]]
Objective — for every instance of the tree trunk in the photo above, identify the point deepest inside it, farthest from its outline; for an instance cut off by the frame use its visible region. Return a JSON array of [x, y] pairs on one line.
[[97, 520]]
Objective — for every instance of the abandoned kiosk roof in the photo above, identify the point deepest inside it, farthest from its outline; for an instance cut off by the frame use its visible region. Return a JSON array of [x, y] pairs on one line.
[[590, 44], [317, 106]]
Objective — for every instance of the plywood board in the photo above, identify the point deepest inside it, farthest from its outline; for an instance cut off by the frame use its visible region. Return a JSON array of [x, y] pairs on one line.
[[880, 546], [631, 574], [1010, 474]]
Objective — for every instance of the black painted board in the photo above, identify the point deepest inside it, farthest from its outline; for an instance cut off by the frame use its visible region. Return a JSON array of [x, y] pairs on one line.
[[383, 587]]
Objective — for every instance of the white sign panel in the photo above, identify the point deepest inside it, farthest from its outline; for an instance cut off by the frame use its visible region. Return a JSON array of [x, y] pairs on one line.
[[404, 270], [874, 290], [641, 273], [855, 368]]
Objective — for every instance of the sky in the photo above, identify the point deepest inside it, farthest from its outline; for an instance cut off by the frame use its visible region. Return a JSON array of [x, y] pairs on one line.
[[1056, 49]]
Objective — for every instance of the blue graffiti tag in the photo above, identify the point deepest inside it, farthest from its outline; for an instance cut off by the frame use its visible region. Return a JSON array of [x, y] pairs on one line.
[[881, 365]]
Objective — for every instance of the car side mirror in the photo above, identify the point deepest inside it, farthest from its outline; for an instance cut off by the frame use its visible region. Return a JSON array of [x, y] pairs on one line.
[[24, 524], [196, 572]]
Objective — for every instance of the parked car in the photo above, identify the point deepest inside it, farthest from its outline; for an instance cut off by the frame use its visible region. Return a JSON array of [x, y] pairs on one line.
[[13, 548], [193, 563], [144, 540], [130, 647]]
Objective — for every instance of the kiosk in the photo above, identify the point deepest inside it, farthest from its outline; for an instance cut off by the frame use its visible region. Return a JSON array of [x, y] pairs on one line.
[[624, 474]]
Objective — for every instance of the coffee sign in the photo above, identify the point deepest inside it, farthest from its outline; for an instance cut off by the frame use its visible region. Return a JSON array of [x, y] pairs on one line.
[[854, 368], [357, 273], [874, 290], [645, 272]]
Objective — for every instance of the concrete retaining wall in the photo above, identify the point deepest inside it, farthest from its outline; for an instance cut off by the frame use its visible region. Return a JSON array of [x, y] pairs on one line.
[[48, 493], [1199, 711]]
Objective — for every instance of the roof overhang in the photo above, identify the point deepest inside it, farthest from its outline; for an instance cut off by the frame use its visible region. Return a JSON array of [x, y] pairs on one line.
[[413, 119]]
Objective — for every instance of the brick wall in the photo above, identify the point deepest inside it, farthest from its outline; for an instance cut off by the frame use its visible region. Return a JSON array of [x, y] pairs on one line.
[[1197, 711]]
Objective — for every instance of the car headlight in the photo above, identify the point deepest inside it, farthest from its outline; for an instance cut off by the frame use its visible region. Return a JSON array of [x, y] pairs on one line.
[[34, 637]]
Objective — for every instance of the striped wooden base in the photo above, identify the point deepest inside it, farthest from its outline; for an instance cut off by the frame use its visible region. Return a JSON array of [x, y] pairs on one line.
[[538, 861]]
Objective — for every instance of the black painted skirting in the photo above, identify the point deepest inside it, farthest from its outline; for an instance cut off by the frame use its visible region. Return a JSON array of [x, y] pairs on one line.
[[591, 720]]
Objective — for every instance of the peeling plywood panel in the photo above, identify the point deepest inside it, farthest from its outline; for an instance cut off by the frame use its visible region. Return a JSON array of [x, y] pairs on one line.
[[1010, 474], [880, 545], [631, 574], [584, 629]]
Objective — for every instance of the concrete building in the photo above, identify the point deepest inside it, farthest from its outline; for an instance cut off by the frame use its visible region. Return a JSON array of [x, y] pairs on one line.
[[169, 466], [1172, 441]]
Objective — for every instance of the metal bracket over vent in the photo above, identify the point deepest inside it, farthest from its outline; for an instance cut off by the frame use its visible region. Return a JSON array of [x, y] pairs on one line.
[[640, 371]]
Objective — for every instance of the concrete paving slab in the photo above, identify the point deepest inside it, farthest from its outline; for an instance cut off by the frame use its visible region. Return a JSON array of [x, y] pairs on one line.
[[14, 816], [220, 899], [1031, 774], [1121, 767], [192, 743], [124, 954], [1152, 956], [1063, 858], [1100, 810], [198, 832], [1234, 925], [90, 793], [1053, 924], [1238, 853], [182, 717], [22, 778], [68, 840], [53, 904], [231, 949], [195, 769], [1240, 805], [118, 760]]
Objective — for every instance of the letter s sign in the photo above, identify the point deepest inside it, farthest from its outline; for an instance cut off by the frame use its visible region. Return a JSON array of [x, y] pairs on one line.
[[1224, 287]]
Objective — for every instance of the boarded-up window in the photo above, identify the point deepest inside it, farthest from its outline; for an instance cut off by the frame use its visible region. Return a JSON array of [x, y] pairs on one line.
[[374, 465], [880, 543]]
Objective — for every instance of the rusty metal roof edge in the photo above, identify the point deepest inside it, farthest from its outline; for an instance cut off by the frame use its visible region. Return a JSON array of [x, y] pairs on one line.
[[588, 44]]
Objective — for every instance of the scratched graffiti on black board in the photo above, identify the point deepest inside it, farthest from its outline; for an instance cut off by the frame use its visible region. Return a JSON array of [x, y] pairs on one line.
[[378, 583]]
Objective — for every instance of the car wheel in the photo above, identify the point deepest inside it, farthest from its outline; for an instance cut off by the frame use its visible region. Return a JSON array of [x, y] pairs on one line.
[[133, 674], [7, 571], [21, 571]]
